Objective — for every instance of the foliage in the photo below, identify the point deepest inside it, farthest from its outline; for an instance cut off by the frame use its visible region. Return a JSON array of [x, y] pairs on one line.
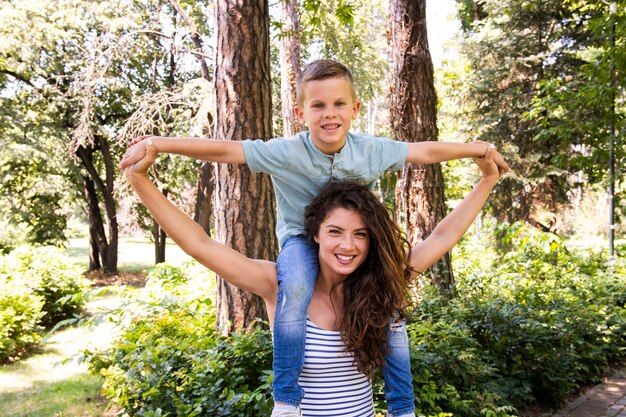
[[535, 78], [32, 204], [535, 323], [47, 274], [172, 361], [20, 314]]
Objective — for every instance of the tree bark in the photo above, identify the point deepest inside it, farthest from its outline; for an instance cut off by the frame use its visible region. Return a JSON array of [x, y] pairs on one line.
[[204, 197], [245, 208], [94, 219], [289, 65], [106, 247], [420, 191], [160, 239]]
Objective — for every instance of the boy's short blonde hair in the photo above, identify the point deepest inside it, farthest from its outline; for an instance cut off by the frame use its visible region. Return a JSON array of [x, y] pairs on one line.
[[321, 70]]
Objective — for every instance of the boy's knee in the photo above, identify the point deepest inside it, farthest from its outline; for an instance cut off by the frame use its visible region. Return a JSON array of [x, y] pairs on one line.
[[295, 291]]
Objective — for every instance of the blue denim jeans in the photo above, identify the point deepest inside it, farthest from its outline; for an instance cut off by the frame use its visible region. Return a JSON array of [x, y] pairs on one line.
[[297, 267], [397, 372]]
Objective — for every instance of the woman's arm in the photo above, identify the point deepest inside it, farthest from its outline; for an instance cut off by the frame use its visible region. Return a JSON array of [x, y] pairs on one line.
[[256, 276], [450, 230]]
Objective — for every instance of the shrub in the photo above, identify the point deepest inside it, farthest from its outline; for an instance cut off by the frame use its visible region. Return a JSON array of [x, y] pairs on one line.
[[20, 314], [175, 364], [49, 274]]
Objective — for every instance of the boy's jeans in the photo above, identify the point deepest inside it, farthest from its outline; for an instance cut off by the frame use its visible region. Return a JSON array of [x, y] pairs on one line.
[[297, 267]]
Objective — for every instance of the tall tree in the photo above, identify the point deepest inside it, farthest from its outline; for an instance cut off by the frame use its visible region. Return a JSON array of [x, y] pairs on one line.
[[539, 88], [289, 65], [420, 191], [244, 207]]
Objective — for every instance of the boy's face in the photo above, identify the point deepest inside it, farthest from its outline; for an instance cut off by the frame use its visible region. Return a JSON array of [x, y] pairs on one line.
[[328, 109]]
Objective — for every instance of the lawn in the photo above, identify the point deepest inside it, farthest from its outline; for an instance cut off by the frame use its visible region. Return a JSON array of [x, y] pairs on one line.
[[133, 254]]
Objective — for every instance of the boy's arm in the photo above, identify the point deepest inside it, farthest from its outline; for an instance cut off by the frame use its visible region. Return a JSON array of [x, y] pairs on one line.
[[450, 230], [224, 151], [256, 276], [430, 152]]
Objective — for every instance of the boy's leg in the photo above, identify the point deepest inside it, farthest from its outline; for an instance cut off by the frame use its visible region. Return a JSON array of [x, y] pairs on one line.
[[297, 268], [397, 372]]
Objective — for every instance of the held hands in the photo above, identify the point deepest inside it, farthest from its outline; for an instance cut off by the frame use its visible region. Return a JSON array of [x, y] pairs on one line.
[[498, 159], [140, 167], [135, 152], [488, 167]]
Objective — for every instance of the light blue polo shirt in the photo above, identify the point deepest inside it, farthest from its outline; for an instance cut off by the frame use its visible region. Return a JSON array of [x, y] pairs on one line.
[[299, 170]]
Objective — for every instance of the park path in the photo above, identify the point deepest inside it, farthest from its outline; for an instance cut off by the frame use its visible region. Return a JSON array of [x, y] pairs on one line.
[[607, 399]]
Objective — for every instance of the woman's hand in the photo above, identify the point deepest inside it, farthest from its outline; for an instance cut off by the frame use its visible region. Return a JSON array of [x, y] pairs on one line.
[[135, 152], [488, 167], [140, 167]]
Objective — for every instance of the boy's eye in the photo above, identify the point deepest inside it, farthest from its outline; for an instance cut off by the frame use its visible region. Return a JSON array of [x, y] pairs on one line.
[[340, 103], [318, 105]]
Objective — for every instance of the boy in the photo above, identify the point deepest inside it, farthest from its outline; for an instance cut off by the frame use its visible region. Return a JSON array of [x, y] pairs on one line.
[[299, 167]]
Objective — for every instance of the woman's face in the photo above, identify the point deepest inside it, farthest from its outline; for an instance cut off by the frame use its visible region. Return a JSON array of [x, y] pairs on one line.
[[343, 240]]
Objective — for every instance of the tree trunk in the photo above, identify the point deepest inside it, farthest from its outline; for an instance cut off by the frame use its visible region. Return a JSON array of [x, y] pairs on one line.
[[108, 188], [289, 65], [420, 191], [96, 227], [160, 239], [204, 197], [106, 248], [244, 204]]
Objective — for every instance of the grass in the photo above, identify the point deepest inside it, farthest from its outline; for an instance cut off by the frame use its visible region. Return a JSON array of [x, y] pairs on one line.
[[133, 254], [47, 384], [78, 396]]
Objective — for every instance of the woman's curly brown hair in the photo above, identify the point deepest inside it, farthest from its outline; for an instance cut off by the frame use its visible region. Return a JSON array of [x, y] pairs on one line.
[[378, 290]]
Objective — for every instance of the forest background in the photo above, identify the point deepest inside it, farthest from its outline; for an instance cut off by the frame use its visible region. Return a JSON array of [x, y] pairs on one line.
[[543, 80]]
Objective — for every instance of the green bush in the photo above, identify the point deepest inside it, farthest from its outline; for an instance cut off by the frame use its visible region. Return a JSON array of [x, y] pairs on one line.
[[175, 363], [20, 315], [50, 275]]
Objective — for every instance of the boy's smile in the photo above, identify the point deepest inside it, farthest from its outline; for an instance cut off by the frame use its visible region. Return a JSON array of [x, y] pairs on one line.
[[328, 108]]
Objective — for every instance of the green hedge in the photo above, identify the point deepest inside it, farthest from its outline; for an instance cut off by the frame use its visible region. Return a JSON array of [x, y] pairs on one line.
[[172, 361], [39, 287], [20, 315], [528, 326]]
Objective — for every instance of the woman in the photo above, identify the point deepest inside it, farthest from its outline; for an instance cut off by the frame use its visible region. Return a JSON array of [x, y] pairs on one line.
[[362, 285]]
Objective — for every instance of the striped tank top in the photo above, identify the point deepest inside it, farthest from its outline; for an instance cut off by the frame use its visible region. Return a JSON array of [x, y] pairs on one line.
[[332, 384]]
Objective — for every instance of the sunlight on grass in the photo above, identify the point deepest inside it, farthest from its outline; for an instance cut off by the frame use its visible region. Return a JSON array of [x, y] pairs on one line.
[[75, 397], [133, 254], [43, 385]]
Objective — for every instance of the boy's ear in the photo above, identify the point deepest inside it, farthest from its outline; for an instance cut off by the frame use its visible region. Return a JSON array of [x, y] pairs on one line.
[[355, 109], [299, 114]]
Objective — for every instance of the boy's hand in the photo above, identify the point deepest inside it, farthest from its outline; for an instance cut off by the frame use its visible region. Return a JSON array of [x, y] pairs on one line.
[[497, 158], [141, 166], [135, 152], [487, 165]]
